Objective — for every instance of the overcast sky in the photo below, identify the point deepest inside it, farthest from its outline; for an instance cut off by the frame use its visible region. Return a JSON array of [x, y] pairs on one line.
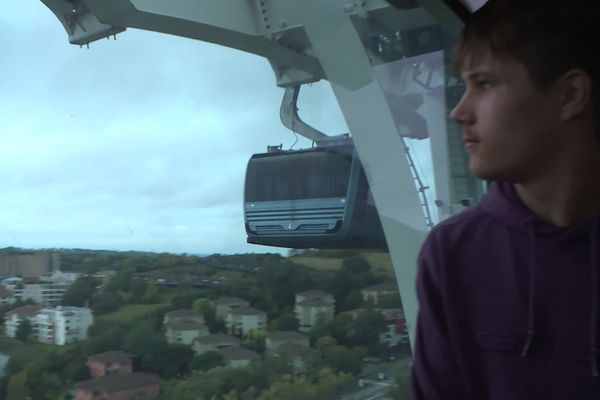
[[135, 144]]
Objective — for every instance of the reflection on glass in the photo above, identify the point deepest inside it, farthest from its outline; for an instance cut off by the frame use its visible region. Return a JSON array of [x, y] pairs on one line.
[[473, 5], [293, 176]]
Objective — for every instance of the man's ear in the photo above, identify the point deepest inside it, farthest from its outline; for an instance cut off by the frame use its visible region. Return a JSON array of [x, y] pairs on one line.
[[575, 91]]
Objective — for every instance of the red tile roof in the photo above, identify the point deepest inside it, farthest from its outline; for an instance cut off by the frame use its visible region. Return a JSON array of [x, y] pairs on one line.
[[116, 382], [117, 357], [183, 313], [29, 310]]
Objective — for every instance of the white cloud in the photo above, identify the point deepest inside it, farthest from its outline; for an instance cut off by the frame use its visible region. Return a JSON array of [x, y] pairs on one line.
[[139, 143]]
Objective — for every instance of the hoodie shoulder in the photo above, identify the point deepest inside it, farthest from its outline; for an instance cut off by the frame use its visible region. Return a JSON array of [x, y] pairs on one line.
[[465, 221], [499, 208], [468, 216], [450, 236]]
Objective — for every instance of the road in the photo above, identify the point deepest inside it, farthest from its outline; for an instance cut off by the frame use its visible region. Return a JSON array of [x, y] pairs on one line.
[[374, 389]]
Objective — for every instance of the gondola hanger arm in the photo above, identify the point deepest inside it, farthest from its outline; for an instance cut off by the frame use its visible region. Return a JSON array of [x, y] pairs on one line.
[[290, 118]]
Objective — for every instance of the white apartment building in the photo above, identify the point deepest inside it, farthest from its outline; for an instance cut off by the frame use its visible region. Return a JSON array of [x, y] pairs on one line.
[[67, 278], [223, 305], [6, 296], [244, 320], [13, 318], [63, 325], [185, 331], [311, 305], [47, 294]]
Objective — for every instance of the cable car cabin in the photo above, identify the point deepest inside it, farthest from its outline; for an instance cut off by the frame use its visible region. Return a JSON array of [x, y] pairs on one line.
[[313, 198]]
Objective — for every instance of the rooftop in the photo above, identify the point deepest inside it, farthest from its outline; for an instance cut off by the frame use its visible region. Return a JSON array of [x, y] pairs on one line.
[[116, 357], [238, 353], [186, 325], [29, 310], [183, 313], [246, 311], [217, 338], [229, 300], [314, 303], [314, 293], [117, 382], [293, 349], [286, 336]]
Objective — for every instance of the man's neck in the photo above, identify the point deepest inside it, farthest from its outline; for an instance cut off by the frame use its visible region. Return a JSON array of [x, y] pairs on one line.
[[567, 196]]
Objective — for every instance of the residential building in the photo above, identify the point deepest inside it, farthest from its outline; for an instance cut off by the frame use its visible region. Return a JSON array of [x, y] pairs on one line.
[[397, 331], [66, 278], [311, 305], [119, 387], [296, 354], [48, 294], [276, 338], [373, 294], [13, 318], [214, 342], [6, 296], [225, 304], [3, 363], [185, 331], [63, 325], [182, 315], [105, 276], [28, 264], [110, 362], [237, 356], [242, 321], [11, 281]]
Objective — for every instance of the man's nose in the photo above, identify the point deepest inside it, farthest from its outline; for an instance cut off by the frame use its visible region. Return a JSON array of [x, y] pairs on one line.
[[462, 112]]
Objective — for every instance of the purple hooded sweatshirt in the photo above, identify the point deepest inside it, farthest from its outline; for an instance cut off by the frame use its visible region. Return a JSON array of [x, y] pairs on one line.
[[508, 306]]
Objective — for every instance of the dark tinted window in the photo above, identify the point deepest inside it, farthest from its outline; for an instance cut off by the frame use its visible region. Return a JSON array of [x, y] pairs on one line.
[[298, 176]]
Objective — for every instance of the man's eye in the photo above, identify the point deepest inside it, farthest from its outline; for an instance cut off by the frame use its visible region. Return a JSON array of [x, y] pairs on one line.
[[484, 85]]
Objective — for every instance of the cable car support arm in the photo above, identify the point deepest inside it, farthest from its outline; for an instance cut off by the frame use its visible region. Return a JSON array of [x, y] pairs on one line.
[[291, 119]]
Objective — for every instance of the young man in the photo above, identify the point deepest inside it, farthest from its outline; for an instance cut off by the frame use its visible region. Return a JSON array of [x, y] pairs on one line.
[[509, 290]]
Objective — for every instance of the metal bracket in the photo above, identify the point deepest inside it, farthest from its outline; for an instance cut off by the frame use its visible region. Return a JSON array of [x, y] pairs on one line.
[[81, 25], [291, 119]]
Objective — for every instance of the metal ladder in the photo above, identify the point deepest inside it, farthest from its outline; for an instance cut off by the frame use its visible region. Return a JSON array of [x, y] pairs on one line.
[[420, 187]]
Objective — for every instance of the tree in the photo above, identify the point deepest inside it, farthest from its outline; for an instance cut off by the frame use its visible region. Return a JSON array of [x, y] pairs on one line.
[[299, 388], [23, 330], [367, 327], [104, 303], [137, 288], [354, 274], [13, 366], [342, 326], [341, 359], [320, 328], [151, 296], [400, 390], [286, 322], [207, 360], [185, 300], [152, 353], [390, 301], [80, 292], [203, 306], [17, 387], [353, 300], [255, 342]]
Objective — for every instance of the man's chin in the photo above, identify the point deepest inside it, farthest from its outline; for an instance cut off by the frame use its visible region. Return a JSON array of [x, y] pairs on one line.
[[485, 173]]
